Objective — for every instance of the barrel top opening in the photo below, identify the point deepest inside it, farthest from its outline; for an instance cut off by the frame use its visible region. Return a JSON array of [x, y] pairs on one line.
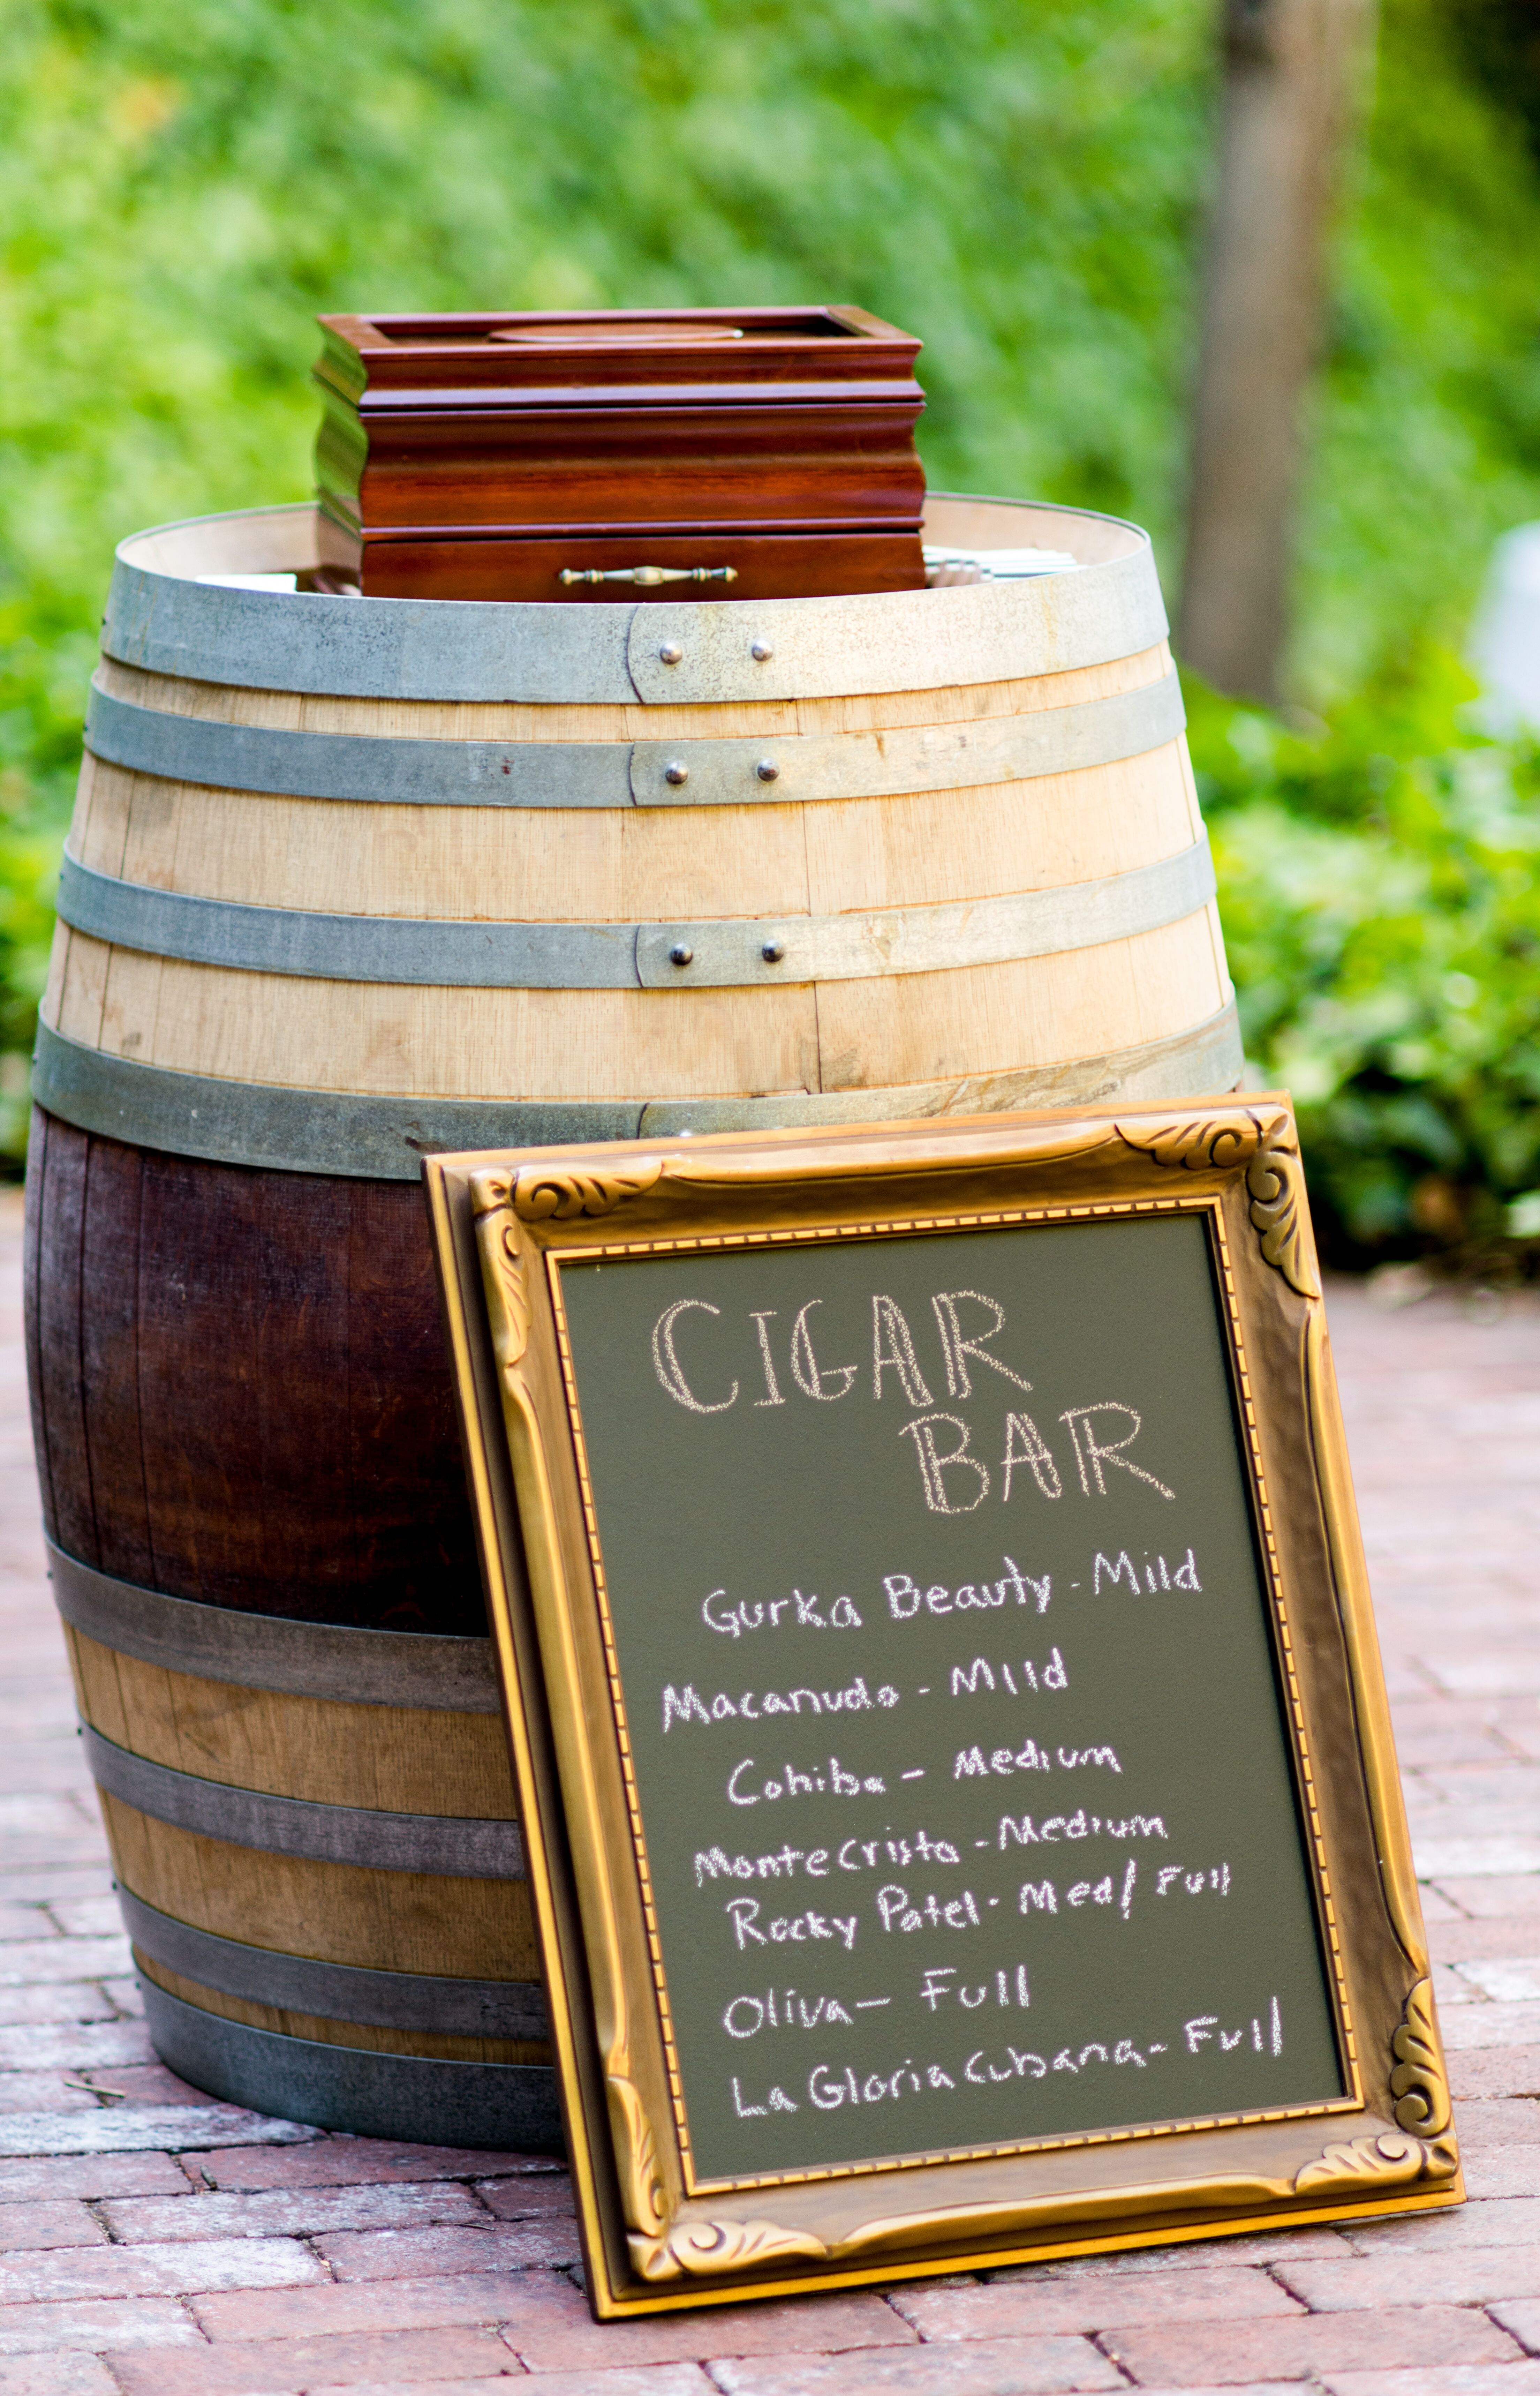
[[162, 617]]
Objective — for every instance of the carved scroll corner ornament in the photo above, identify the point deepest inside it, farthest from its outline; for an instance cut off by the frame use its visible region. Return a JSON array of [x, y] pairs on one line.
[[1390, 2158], [547, 1192], [1423, 2146], [517, 1315], [1418, 2081], [1275, 1180], [705, 2249], [1196, 1143], [502, 1268], [642, 2194], [489, 1191], [1275, 1177]]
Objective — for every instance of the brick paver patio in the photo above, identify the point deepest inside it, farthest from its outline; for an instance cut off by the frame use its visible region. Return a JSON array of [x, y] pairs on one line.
[[155, 2244]]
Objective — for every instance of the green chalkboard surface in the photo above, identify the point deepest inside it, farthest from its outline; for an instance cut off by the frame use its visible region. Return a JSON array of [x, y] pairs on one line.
[[968, 1809]]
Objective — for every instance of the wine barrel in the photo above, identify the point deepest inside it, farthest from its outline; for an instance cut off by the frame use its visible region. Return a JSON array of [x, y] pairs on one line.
[[352, 880]]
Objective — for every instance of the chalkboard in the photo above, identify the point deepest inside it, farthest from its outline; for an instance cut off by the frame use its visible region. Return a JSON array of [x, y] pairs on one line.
[[960, 1810], [965, 1793]]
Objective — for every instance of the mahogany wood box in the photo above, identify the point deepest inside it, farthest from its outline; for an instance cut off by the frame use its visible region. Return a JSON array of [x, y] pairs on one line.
[[767, 452]]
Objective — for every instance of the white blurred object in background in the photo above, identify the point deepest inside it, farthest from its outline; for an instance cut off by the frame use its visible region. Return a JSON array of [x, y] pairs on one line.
[[1504, 641]]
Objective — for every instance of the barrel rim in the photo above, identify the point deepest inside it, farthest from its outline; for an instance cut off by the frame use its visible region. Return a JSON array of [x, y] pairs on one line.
[[664, 652]]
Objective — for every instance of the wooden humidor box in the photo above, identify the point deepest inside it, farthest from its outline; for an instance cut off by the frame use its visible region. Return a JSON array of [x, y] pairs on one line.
[[769, 451]]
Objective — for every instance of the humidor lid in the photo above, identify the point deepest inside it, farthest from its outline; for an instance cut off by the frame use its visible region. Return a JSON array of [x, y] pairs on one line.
[[722, 356]]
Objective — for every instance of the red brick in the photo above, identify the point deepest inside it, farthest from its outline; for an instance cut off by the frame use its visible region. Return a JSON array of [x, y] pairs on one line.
[[26, 2227], [44, 2091], [290, 2212], [1495, 2071], [1017, 2366], [413, 2254], [1472, 2379], [546, 2321], [1496, 1893], [156, 2271], [347, 2163], [548, 2326], [70, 1841], [144, 2321], [1477, 2278], [57, 2175], [55, 2374], [145, 2084], [515, 2200], [72, 2046], [1201, 2254], [1460, 1940], [27, 1960], [1498, 2122], [128, 2129], [1481, 2026], [23, 1921], [1498, 2221], [1433, 1733], [1041, 2307], [83, 1917], [660, 2379], [287, 2367], [1523, 2320], [1503, 2171], [63, 2001], [480, 2297], [1223, 2352], [61, 1882]]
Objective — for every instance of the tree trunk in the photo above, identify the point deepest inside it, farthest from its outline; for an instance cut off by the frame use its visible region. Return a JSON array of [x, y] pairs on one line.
[[1289, 83]]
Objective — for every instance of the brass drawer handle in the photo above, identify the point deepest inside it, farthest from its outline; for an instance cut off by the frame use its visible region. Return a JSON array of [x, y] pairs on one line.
[[648, 574]]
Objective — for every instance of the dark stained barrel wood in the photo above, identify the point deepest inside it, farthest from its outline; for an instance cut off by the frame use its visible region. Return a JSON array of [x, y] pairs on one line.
[[239, 1387]]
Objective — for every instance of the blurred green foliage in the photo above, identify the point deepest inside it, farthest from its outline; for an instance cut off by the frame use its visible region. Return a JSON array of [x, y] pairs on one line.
[[182, 187], [1380, 885]]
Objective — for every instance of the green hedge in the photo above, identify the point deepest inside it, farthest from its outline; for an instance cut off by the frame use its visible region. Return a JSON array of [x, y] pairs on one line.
[[1379, 878]]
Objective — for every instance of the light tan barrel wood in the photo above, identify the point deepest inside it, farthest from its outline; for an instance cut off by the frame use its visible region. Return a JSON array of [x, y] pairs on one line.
[[975, 1033]]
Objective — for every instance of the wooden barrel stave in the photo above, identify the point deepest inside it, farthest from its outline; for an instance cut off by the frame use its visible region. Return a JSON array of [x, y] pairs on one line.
[[310, 1465], [638, 1047], [238, 1383], [395, 1759], [843, 855]]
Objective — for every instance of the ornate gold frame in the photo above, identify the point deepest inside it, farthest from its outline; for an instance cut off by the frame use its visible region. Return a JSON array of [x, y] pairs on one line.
[[653, 2236]]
